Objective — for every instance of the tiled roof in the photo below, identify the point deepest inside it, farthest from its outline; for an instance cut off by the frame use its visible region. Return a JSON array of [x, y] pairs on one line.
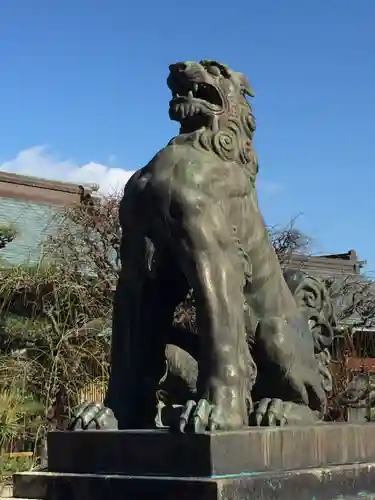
[[327, 266], [38, 190]]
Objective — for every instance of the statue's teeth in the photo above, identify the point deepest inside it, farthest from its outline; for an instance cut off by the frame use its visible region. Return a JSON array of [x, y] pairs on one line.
[[195, 87], [190, 94]]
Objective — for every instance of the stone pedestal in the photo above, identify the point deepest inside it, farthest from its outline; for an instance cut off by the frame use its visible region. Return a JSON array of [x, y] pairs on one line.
[[326, 461]]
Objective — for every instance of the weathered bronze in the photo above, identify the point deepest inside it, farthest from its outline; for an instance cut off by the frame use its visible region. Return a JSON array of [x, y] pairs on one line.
[[190, 219]]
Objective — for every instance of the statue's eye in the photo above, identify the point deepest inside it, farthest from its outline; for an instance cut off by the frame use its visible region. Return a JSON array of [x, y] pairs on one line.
[[214, 70]]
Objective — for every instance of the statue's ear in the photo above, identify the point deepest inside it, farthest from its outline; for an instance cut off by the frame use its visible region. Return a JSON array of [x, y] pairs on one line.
[[245, 84], [249, 91]]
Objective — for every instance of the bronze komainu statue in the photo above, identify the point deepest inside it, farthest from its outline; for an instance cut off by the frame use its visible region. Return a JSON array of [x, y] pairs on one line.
[[190, 220]]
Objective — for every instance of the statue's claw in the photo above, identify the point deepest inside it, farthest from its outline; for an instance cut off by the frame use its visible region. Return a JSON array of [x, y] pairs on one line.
[[195, 416], [275, 412], [271, 412], [202, 416], [92, 416]]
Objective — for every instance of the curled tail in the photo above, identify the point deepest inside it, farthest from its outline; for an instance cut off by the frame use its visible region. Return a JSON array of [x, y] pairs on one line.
[[312, 297]]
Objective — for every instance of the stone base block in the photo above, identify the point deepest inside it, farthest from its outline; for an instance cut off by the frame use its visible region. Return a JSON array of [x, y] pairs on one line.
[[321, 462], [340, 482], [253, 450]]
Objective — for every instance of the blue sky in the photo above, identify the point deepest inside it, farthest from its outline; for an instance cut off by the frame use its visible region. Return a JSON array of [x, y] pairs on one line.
[[83, 94]]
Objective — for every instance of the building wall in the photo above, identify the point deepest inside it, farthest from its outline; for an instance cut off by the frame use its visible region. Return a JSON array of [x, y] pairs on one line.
[[33, 223], [32, 206]]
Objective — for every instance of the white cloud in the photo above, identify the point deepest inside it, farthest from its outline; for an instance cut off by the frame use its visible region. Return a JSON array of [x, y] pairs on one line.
[[39, 162]]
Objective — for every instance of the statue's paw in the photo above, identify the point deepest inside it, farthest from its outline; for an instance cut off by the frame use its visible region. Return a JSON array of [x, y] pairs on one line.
[[271, 412], [202, 416], [286, 345], [92, 416], [275, 412]]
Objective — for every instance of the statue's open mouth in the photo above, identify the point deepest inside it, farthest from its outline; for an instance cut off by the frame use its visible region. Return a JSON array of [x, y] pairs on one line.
[[193, 101], [197, 91]]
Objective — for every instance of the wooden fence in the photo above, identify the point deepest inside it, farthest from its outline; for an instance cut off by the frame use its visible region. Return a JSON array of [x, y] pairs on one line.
[[94, 391]]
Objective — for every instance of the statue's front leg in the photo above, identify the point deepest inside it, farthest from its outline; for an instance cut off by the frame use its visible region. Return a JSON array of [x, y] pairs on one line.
[[213, 269], [124, 399]]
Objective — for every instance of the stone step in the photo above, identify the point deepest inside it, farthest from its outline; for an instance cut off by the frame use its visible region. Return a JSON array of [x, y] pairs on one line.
[[348, 482], [250, 450], [365, 496]]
